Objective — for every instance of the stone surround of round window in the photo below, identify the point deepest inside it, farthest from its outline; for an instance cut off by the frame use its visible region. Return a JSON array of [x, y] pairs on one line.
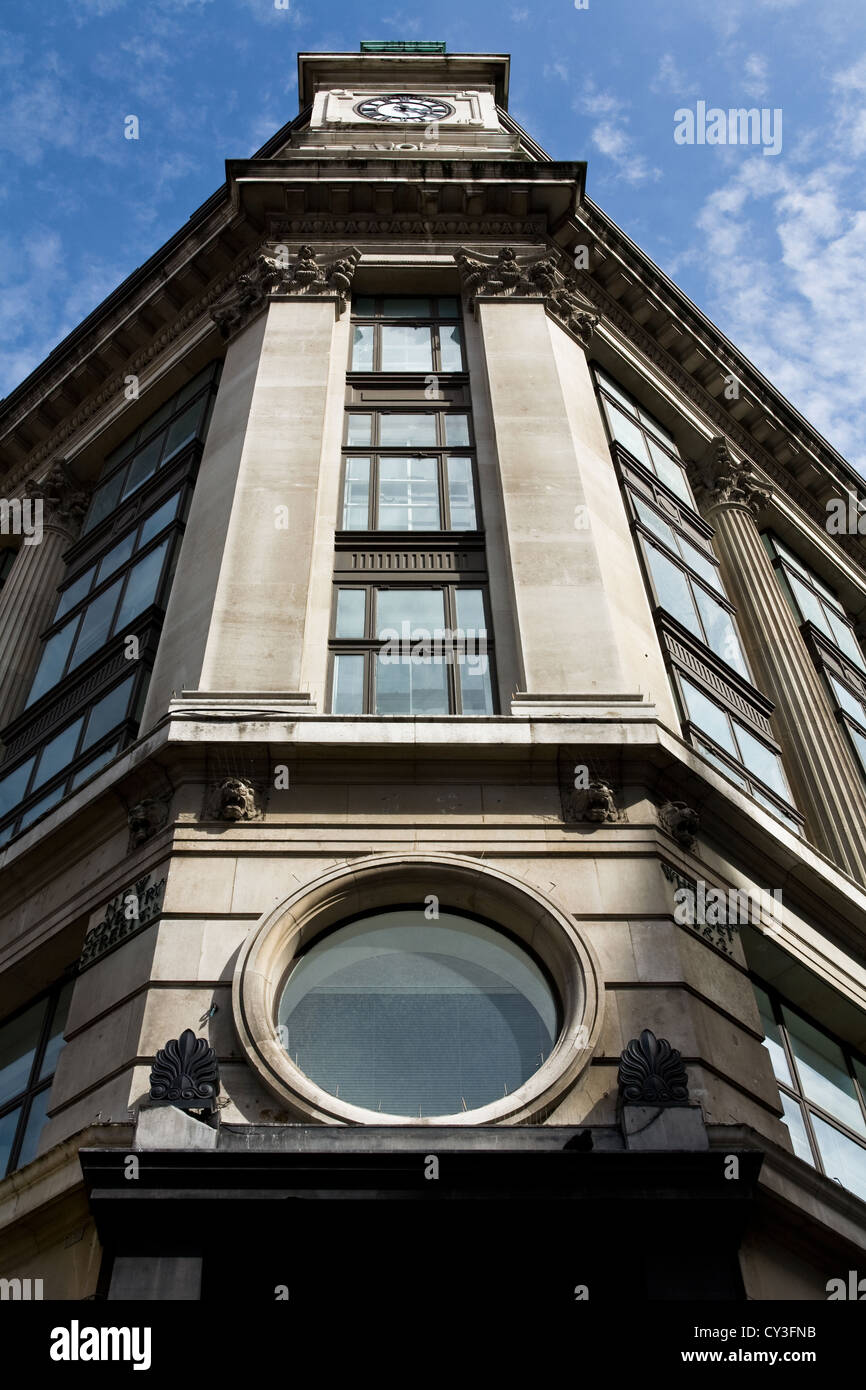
[[430, 989]]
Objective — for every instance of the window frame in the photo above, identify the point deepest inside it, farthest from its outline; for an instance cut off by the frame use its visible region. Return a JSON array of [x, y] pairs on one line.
[[379, 320], [36, 1085], [369, 645], [660, 440]]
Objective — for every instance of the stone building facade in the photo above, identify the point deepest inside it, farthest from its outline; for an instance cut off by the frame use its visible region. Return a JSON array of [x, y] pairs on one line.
[[434, 715]]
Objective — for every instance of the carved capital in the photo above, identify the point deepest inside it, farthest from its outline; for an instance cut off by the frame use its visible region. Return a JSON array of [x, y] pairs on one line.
[[680, 821], [540, 275], [64, 499], [723, 481], [651, 1072], [278, 271], [185, 1074], [233, 799]]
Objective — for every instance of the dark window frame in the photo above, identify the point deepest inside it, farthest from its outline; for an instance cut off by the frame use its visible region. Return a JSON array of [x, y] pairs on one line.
[[378, 320], [35, 1085]]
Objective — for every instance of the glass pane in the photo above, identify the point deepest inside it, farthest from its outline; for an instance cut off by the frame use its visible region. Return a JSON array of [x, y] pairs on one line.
[[761, 761], [158, 520], [721, 634], [470, 610], [669, 472], [54, 655], [108, 712], [710, 717], [8, 1127], [18, 1042], [422, 611], [401, 306], [627, 433], [448, 307], [614, 390], [143, 466], [847, 701], [14, 785], [461, 495], [41, 807], [457, 429], [55, 1044], [362, 349], [92, 767], [474, 669], [402, 430], [845, 639], [57, 754], [183, 429], [117, 556], [95, 624], [408, 684], [823, 1074], [359, 429], [450, 340], [188, 391], [408, 494], [348, 692], [402, 1020], [356, 495], [700, 563], [672, 588], [651, 519], [657, 427], [406, 349], [105, 499], [351, 607], [842, 1158], [35, 1126], [793, 1118], [75, 592], [773, 1039], [810, 609], [364, 305], [724, 767], [141, 586]]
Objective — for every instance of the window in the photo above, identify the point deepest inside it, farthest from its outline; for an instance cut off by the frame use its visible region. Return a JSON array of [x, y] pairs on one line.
[[821, 1082], [405, 1016], [645, 438], [183, 419], [410, 650], [89, 687], [30, 1043], [403, 333], [389, 489], [726, 718]]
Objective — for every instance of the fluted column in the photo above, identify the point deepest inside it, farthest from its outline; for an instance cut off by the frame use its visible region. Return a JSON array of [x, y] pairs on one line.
[[30, 592], [827, 786]]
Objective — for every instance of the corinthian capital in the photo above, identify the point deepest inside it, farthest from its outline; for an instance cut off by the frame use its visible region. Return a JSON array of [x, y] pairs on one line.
[[64, 499], [537, 275], [723, 481], [277, 271]]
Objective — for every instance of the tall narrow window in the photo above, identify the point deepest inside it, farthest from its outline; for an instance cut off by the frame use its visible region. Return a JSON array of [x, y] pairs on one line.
[[31, 1041]]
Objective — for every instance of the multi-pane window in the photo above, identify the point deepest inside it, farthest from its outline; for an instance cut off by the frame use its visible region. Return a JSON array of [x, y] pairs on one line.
[[90, 684], [389, 488], [822, 1083], [152, 446], [410, 650], [829, 634], [645, 438], [695, 619], [30, 1043], [405, 333]]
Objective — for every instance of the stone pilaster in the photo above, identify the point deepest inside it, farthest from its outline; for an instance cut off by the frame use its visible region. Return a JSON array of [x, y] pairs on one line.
[[29, 595], [826, 785]]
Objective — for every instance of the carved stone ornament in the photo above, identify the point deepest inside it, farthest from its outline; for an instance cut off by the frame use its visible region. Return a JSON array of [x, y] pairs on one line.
[[277, 271], [680, 821], [651, 1072], [64, 499], [233, 799], [596, 803], [145, 819], [186, 1074], [539, 276], [723, 481]]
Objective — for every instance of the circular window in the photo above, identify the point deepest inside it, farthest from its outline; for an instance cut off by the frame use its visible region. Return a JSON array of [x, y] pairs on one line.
[[410, 1016]]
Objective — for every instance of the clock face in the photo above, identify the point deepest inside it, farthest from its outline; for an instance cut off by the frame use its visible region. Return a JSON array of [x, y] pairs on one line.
[[404, 107]]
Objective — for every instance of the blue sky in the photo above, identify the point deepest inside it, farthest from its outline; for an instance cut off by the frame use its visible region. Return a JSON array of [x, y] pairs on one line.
[[772, 248]]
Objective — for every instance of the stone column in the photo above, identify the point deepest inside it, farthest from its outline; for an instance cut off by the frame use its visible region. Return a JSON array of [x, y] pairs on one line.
[[826, 784], [28, 597]]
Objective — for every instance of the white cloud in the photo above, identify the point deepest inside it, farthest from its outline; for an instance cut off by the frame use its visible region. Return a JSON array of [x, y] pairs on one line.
[[556, 70], [671, 79], [611, 136], [754, 78]]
